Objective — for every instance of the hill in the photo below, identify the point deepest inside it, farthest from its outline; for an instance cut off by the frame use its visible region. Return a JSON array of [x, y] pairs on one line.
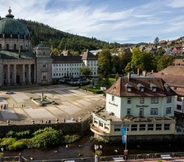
[[58, 40]]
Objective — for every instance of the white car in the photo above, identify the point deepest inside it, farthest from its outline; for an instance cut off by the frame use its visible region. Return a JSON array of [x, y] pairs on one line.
[[10, 92]]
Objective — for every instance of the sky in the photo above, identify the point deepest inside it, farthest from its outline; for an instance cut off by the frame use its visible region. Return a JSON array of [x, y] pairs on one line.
[[121, 21]]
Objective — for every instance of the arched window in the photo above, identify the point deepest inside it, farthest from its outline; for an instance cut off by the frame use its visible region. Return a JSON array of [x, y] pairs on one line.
[[14, 47], [7, 46]]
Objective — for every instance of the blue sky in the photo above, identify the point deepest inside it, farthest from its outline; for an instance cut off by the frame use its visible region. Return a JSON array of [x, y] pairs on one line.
[[122, 21]]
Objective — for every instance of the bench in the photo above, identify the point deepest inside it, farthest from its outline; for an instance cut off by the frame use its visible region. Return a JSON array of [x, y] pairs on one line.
[[165, 157], [118, 159]]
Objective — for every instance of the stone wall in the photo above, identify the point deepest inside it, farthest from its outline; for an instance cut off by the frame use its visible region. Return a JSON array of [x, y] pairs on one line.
[[67, 128], [141, 138]]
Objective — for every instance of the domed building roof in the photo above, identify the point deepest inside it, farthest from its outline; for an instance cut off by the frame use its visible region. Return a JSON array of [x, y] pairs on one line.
[[9, 25], [41, 45]]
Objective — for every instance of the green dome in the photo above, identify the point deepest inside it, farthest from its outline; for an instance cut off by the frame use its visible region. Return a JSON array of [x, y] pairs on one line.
[[41, 45], [9, 25]]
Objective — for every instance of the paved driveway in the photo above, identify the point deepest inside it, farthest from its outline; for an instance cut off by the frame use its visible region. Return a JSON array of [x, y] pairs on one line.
[[73, 103]]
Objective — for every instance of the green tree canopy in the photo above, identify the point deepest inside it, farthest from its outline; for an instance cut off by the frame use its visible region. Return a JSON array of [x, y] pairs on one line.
[[84, 70], [105, 63], [142, 60], [156, 41], [116, 64], [164, 62]]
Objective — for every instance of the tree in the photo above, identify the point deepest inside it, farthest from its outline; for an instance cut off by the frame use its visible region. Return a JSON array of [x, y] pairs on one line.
[[117, 76], [115, 64], [156, 41], [84, 70], [105, 63], [164, 62], [142, 60]]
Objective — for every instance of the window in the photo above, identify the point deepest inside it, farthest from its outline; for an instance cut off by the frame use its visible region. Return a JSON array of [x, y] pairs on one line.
[[179, 98], [106, 126], [117, 128], [112, 98], [134, 127], [168, 110], [178, 107], [141, 100], [44, 77], [129, 100], [129, 89], [128, 111], [154, 89], [127, 126], [154, 111], [166, 126], [95, 121], [150, 127], [158, 127], [100, 124], [141, 89], [154, 100], [141, 112], [44, 65], [142, 127], [169, 99]]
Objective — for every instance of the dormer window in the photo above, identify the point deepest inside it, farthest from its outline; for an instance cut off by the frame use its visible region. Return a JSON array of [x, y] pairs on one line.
[[167, 86], [128, 87], [153, 87], [140, 87]]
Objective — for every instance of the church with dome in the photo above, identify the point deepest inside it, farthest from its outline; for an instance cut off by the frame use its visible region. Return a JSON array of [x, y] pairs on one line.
[[19, 63]]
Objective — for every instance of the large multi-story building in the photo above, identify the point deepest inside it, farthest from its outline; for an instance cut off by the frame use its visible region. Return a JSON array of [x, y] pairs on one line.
[[18, 64], [142, 104], [68, 65]]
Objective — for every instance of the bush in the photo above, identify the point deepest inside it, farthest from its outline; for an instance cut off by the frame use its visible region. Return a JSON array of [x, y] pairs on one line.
[[7, 141], [45, 137], [11, 134], [17, 145], [71, 138]]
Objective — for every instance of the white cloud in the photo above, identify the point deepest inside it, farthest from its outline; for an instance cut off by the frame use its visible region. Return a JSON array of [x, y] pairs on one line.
[[175, 3], [130, 20]]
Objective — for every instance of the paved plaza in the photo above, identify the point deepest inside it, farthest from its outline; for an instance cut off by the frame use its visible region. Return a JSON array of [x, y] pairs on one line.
[[73, 104]]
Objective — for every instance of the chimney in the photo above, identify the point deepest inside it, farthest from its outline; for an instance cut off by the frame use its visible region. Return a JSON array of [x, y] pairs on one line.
[[144, 73], [138, 72], [129, 76]]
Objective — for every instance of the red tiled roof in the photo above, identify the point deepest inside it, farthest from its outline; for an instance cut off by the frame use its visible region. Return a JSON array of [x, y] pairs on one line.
[[119, 88], [175, 70], [89, 56]]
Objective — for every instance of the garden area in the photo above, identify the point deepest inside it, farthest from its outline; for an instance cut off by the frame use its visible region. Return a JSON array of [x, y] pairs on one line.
[[38, 139], [100, 87]]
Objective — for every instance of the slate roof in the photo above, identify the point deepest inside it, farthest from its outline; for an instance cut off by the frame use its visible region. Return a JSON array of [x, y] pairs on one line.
[[15, 55], [119, 88], [67, 59]]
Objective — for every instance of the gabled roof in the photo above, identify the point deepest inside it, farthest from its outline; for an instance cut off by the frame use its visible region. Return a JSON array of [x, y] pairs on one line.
[[66, 59], [119, 88], [89, 56]]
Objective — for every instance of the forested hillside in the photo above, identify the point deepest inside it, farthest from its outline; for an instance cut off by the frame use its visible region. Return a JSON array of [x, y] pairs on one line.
[[58, 40]]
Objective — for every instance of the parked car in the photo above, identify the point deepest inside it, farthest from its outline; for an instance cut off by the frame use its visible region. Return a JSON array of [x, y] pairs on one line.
[[10, 92]]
